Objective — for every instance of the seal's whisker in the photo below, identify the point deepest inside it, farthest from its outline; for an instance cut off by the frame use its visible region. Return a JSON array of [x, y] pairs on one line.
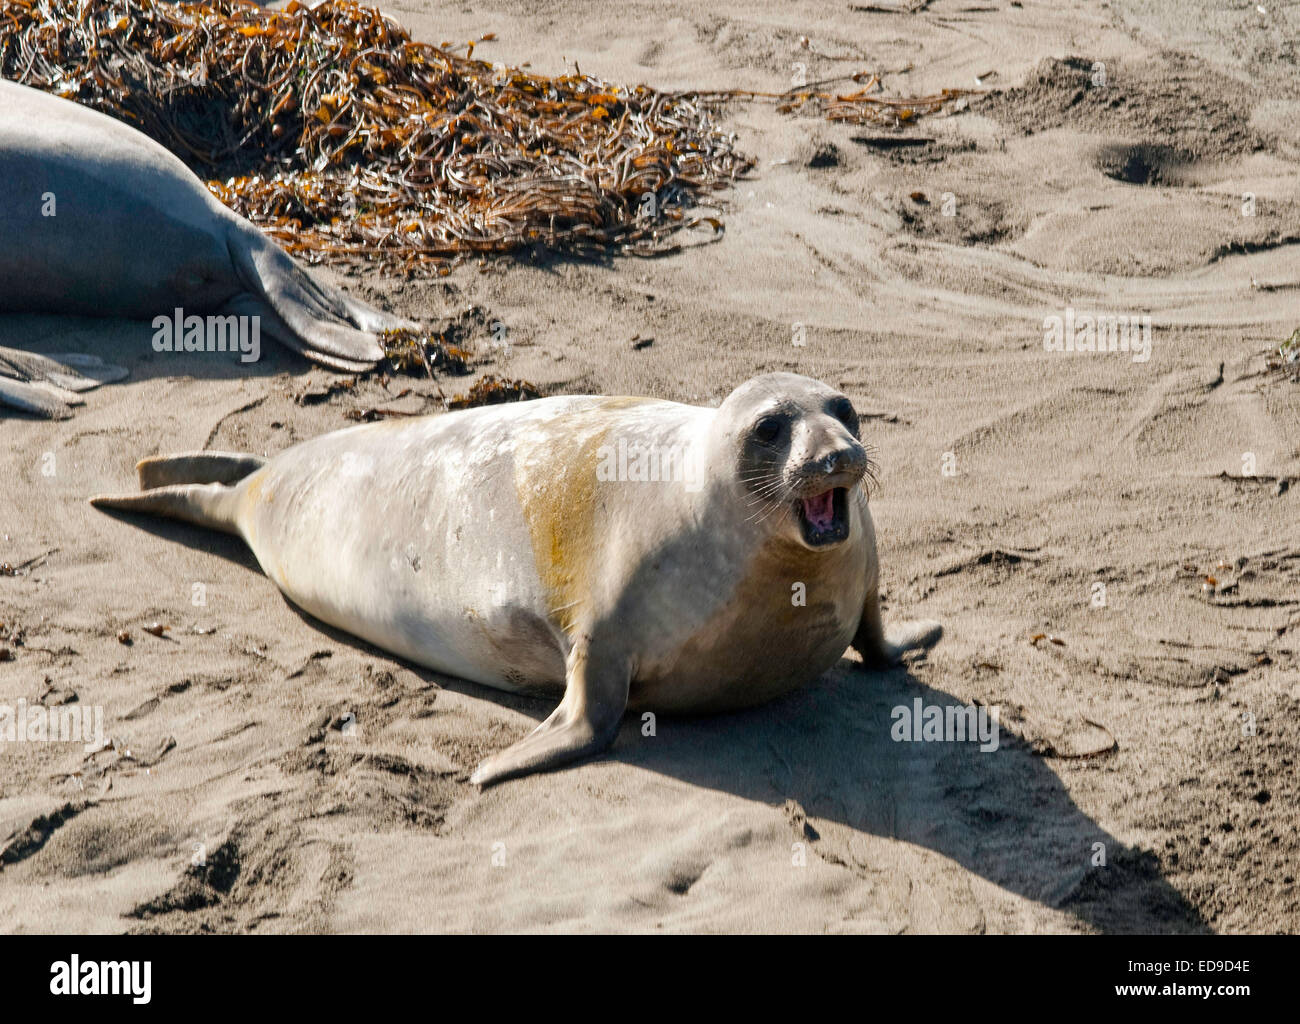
[[779, 519], [765, 493], [772, 507], [761, 512], [770, 485], [871, 473]]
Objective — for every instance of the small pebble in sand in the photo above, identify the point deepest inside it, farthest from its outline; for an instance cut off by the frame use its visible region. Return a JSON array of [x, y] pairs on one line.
[[156, 629], [6, 654], [124, 638]]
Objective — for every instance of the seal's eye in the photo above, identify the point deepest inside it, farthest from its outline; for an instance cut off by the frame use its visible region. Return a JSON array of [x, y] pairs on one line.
[[842, 409], [768, 429]]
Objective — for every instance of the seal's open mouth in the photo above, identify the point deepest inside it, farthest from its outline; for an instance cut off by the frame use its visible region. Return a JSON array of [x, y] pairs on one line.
[[824, 517]]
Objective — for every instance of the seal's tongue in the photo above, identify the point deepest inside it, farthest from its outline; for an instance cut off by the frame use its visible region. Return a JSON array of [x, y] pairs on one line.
[[820, 510]]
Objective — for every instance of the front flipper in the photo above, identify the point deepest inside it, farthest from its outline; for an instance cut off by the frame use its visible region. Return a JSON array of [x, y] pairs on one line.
[[879, 650], [585, 723], [48, 386]]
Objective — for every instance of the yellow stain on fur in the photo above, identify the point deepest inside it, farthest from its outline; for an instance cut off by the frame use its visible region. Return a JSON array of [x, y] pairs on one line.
[[256, 492], [555, 479]]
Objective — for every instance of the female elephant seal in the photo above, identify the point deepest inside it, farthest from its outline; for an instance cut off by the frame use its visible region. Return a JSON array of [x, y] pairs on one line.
[[99, 220], [629, 551]]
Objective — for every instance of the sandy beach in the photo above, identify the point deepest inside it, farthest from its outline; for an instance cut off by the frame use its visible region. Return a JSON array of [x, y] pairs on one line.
[[1060, 512]]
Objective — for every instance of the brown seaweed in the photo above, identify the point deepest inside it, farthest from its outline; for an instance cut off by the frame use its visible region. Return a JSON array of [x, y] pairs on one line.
[[494, 390], [344, 139]]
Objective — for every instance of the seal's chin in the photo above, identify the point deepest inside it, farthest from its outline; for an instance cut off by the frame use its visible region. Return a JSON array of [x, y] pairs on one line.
[[824, 518]]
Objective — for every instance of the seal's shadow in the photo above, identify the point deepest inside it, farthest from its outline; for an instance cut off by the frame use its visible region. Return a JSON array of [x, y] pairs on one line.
[[128, 343], [223, 545], [1003, 815]]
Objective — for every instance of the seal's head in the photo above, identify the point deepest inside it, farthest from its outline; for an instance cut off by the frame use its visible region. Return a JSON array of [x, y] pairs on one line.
[[797, 455]]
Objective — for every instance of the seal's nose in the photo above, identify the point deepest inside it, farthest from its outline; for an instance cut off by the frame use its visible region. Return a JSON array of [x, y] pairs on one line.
[[845, 460]]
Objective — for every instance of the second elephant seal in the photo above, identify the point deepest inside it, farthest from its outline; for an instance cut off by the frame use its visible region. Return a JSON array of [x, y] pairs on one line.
[[97, 219]]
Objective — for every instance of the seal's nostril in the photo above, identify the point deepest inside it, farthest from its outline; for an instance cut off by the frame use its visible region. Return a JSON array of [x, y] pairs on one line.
[[839, 461]]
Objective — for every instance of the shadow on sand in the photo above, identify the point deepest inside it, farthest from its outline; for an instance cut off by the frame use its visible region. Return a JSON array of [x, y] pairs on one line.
[[129, 344]]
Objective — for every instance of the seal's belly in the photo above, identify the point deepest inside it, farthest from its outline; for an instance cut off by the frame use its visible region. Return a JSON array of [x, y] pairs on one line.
[[751, 654]]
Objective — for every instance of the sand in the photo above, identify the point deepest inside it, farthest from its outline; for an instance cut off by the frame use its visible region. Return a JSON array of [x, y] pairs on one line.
[[269, 774]]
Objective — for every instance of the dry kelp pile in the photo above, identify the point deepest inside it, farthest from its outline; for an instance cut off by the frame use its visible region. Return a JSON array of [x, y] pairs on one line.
[[343, 138]]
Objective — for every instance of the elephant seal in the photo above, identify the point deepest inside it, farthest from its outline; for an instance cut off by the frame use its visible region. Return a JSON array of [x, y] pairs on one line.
[[627, 552], [100, 220]]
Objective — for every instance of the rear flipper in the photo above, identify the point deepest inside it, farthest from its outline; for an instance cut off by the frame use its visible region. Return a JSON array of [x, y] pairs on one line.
[[324, 324], [49, 386], [210, 505], [197, 487], [196, 468]]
